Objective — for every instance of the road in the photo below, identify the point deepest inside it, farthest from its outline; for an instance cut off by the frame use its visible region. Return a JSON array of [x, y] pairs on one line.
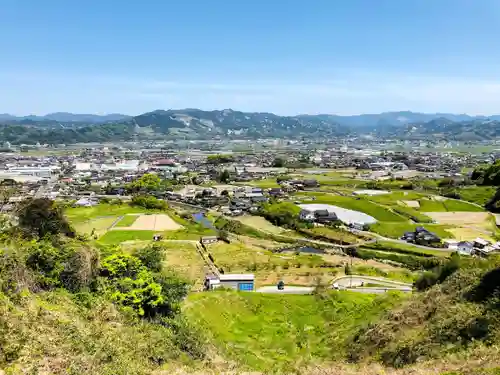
[[351, 283], [356, 283], [45, 189], [287, 290]]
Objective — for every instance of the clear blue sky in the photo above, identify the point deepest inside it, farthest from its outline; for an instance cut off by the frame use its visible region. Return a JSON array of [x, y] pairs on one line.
[[283, 56]]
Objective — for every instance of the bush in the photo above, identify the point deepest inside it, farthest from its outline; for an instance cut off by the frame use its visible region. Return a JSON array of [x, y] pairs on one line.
[[411, 262], [438, 274], [426, 281]]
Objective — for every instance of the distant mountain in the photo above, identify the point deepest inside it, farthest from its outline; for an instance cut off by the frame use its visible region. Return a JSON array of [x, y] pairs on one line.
[[228, 123], [66, 117], [398, 118], [443, 129]]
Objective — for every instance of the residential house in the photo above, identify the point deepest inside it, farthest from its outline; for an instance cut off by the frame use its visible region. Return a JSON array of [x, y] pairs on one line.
[[307, 215], [324, 216], [481, 243], [465, 247], [421, 236]]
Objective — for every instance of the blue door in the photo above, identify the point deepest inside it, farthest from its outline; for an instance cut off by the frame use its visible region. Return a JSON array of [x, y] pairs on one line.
[[245, 287]]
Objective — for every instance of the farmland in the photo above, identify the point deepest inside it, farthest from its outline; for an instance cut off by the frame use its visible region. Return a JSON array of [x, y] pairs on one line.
[[260, 223], [126, 221], [357, 204], [133, 223]]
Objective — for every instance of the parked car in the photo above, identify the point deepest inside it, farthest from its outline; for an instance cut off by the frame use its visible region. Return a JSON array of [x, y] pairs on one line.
[[281, 285]]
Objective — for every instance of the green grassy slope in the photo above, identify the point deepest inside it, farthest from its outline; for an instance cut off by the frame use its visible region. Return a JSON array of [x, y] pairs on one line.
[[461, 315], [59, 333], [282, 332]]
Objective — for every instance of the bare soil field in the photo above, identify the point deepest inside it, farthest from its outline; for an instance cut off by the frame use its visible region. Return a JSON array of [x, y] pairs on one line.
[[159, 222], [479, 219]]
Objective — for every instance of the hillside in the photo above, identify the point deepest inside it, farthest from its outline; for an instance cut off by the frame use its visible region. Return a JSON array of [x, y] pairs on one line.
[[199, 124], [74, 306]]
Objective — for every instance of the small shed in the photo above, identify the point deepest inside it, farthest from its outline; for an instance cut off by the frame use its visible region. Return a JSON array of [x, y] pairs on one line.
[[240, 282], [207, 240]]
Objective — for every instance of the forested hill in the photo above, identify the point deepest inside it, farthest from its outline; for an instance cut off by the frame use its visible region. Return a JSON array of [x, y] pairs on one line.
[[199, 124]]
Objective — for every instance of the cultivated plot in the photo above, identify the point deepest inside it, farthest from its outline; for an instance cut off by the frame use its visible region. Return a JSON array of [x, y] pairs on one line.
[[460, 218], [157, 222]]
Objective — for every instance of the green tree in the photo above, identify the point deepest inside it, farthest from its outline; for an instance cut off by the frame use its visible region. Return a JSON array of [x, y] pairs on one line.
[[41, 217], [224, 176], [148, 182], [219, 159], [279, 163], [152, 256]]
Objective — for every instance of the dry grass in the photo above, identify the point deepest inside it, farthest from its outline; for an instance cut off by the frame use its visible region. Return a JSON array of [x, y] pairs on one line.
[[461, 218], [469, 234]]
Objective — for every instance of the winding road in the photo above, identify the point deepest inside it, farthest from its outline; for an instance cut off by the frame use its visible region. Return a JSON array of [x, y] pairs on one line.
[[351, 283]]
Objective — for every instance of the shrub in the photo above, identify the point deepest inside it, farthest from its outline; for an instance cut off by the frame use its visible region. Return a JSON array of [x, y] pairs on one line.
[[149, 202], [151, 256]]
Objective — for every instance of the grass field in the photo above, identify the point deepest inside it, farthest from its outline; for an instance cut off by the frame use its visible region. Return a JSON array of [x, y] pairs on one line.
[[99, 226], [264, 184], [477, 194], [403, 275], [336, 235], [79, 214], [269, 267], [428, 205], [396, 230], [127, 221], [117, 236], [358, 204], [260, 223], [406, 248], [277, 333]]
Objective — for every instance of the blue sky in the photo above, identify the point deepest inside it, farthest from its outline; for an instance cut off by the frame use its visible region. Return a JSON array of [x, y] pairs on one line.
[[282, 56]]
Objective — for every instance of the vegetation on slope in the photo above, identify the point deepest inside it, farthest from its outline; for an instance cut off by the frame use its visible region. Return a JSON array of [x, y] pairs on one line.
[[459, 312], [273, 333], [68, 307]]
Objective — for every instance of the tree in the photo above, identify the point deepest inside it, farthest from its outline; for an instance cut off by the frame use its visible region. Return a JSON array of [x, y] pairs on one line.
[[148, 182], [219, 159], [41, 217], [152, 256], [278, 163], [148, 202], [224, 176]]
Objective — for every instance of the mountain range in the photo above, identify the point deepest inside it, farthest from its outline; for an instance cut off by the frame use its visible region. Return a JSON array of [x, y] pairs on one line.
[[64, 117], [199, 124], [363, 120]]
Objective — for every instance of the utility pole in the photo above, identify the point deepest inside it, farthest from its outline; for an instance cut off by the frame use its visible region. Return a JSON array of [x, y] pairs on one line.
[[350, 272]]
